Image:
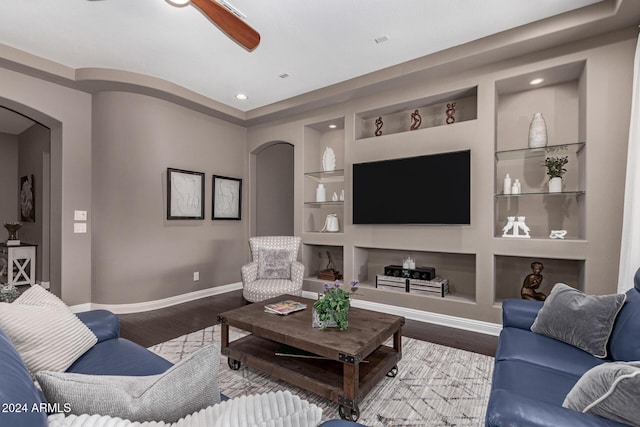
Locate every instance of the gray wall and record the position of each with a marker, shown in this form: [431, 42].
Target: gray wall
[33, 160]
[54, 105]
[8, 181]
[274, 190]
[137, 254]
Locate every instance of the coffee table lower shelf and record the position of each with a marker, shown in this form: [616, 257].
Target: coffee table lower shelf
[341, 382]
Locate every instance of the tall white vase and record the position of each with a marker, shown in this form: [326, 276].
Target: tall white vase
[537, 132]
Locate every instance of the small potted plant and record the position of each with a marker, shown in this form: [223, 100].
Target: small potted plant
[555, 170]
[332, 309]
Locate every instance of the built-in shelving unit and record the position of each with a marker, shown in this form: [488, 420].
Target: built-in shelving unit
[561, 101]
[318, 137]
[442, 109]
[492, 118]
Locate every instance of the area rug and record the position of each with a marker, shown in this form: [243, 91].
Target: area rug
[435, 385]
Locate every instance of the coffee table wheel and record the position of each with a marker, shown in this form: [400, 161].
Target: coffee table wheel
[393, 372]
[233, 364]
[349, 414]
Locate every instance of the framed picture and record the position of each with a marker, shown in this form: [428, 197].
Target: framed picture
[185, 194]
[227, 198]
[27, 199]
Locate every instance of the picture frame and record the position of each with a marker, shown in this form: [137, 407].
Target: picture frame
[27, 199]
[185, 194]
[227, 198]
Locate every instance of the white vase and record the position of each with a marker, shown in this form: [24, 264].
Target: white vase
[555, 185]
[537, 132]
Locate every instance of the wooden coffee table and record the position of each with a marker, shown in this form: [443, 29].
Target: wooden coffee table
[353, 362]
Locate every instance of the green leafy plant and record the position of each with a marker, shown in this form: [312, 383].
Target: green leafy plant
[334, 303]
[555, 166]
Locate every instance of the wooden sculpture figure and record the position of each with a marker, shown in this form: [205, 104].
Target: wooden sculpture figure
[532, 283]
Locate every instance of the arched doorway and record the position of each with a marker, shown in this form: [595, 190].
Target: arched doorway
[25, 147]
[273, 189]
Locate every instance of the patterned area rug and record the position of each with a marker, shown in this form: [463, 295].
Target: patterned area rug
[435, 385]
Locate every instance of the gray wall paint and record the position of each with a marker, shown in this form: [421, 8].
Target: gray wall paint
[138, 255]
[33, 152]
[8, 181]
[67, 113]
[274, 190]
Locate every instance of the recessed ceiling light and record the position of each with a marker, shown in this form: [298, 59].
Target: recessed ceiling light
[333, 126]
[178, 3]
[241, 96]
[536, 81]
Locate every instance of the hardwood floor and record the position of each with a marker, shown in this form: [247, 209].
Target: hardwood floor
[153, 327]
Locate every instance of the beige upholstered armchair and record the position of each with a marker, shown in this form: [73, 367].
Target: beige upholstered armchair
[274, 270]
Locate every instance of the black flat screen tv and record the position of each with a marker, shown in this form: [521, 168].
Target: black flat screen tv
[431, 189]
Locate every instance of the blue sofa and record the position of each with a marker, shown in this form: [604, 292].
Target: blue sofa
[23, 404]
[533, 373]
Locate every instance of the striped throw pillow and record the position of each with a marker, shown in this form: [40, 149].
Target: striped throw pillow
[44, 331]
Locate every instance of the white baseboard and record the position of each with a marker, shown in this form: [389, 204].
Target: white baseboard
[409, 313]
[425, 316]
[157, 304]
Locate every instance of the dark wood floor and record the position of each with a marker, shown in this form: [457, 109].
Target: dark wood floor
[153, 327]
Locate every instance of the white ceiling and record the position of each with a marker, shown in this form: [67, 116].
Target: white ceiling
[317, 42]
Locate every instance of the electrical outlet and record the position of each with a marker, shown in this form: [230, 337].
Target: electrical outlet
[79, 215]
[196, 276]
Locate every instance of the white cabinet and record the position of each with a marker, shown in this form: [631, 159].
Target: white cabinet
[18, 264]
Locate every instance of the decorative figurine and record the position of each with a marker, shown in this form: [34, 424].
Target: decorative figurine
[416, 118]
[557, 234]
[451, 110]
[516, 226]
[378, 131]
[532, 283]
[330, 273]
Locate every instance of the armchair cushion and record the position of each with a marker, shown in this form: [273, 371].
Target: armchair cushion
[610, 390]
[274, 263]
[584, 321]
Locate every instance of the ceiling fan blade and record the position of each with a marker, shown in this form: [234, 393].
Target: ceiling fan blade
[228, 22]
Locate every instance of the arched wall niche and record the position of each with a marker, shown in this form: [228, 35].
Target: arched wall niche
[272, 189]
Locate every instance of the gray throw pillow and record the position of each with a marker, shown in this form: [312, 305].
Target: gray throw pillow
[274, 264]
[187, 387]
[609, 390]
[584, 321]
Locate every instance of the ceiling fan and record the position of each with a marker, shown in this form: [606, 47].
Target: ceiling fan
[227, 18]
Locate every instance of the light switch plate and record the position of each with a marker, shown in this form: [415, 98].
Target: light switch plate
[79, 227]
[79, 215]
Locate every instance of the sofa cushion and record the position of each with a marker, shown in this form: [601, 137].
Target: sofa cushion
[17, 388]
[610, 390]
[627, 325]
[273, 409]
[274, 263]
[538, 383]
[509, 408]
[44, 331]
[119, 357]
[584, 321]
[525, 346]
[190, 385]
